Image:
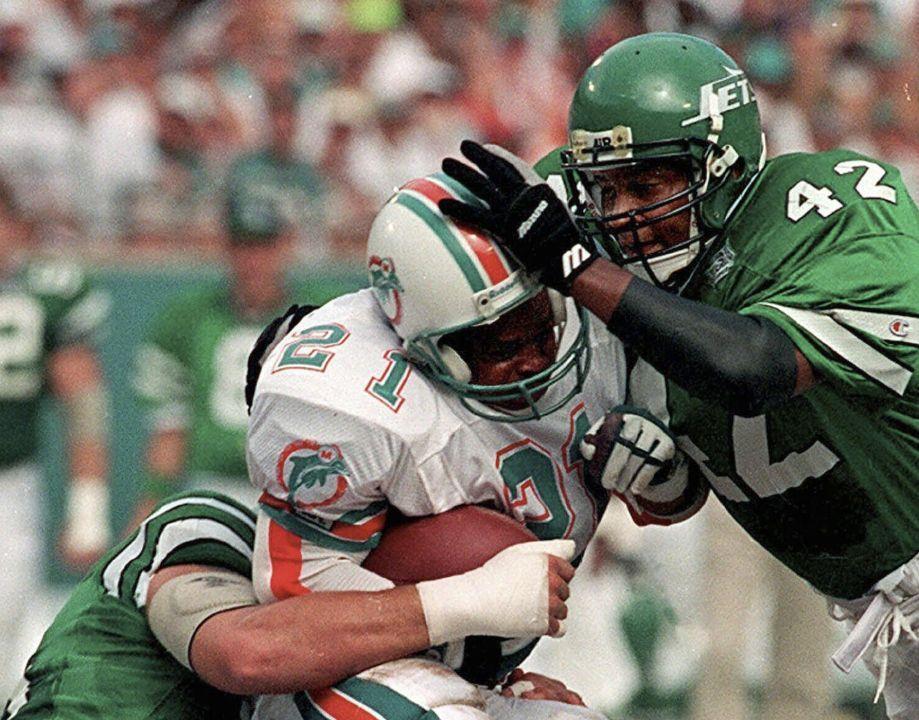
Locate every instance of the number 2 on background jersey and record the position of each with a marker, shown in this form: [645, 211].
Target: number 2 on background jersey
[21, 326]
[804, 197]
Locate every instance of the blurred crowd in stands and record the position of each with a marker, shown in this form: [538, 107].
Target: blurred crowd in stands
[124, 124]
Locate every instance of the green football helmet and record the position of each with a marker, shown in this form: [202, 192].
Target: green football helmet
[663, 97]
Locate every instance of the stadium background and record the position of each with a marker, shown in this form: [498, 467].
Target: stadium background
[123, 122]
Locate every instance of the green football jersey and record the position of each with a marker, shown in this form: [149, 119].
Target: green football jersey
[826, 246]
[43, 307]
[191, 373]
[99, 659]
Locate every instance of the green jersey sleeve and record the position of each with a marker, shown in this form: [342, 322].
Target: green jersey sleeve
[192, 528]
[162, 372]
[75, 311]
[828, 250]
[99, 658]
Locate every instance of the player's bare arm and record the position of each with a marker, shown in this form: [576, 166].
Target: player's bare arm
[75, 378]
[208, 619]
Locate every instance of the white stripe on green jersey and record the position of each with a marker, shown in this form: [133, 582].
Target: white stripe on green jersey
[168, 529]
[850, 347]
[99, 658]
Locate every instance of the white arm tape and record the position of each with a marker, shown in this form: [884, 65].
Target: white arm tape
[508, 596]
[182, 604]
[87, 522]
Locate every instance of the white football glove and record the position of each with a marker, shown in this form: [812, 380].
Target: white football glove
[641, 455]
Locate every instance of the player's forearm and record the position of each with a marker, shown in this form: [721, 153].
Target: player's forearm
[308, 642]
[742, 363]
[84, 402]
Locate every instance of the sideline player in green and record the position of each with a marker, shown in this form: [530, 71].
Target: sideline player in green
[166, 625]
[779, 301]
[49, 316]
[191, 369]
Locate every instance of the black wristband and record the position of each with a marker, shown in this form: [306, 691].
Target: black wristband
[743, 363]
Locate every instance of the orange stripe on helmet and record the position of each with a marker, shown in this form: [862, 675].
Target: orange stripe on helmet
[481, 246]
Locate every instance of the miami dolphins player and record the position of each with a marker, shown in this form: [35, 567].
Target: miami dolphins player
[190, 368]
[50, 315]
[454, 380]
[778, 299]
[166, 625]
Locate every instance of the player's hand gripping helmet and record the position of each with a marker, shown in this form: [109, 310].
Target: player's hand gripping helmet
[671, 98]
[433, 277]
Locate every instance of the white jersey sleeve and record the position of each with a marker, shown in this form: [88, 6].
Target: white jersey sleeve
[321, 470]
[331, 435]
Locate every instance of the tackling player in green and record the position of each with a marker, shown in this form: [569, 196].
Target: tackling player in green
[779, 301]
[166, 625]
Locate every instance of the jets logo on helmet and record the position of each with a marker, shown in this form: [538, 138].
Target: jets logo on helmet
[672, 101]
[313, 475]
[722, 95]
[386, 287]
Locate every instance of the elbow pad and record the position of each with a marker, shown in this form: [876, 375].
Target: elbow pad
[744, 364]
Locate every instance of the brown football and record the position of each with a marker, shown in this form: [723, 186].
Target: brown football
[436, 546]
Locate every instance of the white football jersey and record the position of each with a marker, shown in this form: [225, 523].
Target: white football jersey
[343, 428]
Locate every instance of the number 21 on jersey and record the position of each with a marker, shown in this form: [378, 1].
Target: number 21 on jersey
[309, 351]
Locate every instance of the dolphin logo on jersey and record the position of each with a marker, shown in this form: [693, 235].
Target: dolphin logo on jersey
[386, 287]
[313, 475]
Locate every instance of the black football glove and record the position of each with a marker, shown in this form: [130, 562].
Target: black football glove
[524, 215]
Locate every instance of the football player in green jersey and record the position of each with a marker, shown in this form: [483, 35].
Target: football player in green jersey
[166, 625]
[191, 369]
[49, 315]
[779, 301]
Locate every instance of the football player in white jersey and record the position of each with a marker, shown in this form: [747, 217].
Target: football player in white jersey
[454, 380]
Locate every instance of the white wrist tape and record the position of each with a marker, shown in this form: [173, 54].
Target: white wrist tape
[507, 597]
[87, 524]
[520, 687]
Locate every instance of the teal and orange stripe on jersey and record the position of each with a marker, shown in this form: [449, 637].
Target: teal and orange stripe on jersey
[354, 531]
[195, 527]
[356, 699]
[480, 262]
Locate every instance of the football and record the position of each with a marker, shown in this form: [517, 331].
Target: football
[603, 440]
[436, 546]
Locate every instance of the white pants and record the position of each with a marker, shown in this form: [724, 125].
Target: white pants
[412, 689]
[886, 623]
[27, 605]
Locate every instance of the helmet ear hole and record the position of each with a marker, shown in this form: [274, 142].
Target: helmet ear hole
[559, 307]
[454, 363]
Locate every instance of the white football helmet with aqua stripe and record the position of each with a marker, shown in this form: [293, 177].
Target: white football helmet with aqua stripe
[433, 277]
